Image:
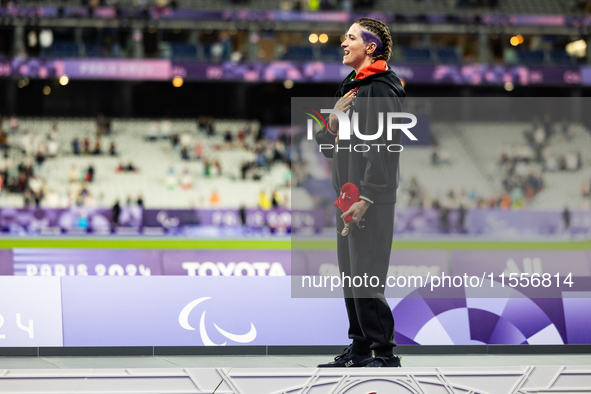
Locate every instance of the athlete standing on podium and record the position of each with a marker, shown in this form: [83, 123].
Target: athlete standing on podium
[366, 250]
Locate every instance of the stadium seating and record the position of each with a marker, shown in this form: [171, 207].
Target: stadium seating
[298, 53]
[469, 153]
[181, 51]
[561, 188]
[531, 58]
[460, 171]
[92, 50]
[561, 58]
[65, 49]
[448, 56]
[331, 54]
[153, 159]
[417, 55]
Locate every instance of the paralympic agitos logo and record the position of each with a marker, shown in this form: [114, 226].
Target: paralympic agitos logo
[346, 124]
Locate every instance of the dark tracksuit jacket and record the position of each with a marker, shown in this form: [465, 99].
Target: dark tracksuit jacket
[366, 250]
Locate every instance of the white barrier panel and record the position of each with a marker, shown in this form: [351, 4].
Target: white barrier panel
[30, 312]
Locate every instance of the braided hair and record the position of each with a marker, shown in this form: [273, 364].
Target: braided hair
[380, 30]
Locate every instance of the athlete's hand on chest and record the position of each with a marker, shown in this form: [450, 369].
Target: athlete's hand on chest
[343, 105]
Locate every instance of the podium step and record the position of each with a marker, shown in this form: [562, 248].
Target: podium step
[422, 374]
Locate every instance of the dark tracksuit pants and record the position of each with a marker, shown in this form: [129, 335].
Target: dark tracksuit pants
[367, 251]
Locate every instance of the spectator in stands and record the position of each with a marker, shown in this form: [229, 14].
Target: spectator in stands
[207, 168]
[202, 123]
[199, 150]
[287, 175]
[261, 161]
[443, 215]
[276, 199]
[434, 156]
[534, 182]
[116, 212]
[22, 182]
[97, 148]
[241, 137]
[517, 196]
[185, 153]
[566, 218]
[228, 139]
[101, 125]
[36, 188]
[165, 128]
[586, 189]
[529, 193]
[221, 49]
[171, 180]
[572, 161]
[28, 168]
[210, 128]
[462, 219]
[73, 174]
[86, 146]
[242, 215]
[244, 169]
[131, 168]
[4, 143]
[186, 180]
[27, 198]
[414, 190]
[51, 199]
[89, 177]
[214, 198]
[126, 168]
[153, 133]
[52, 148]
[13, 125]
[3, 178]
[264, 200]
[174, 141]
[76, 146]
[185, 144]
[503, 155]
[40, 155]
[217, 165]
[108, 126]
[74, 192]
[278, 151]
[53, 132]
[81, 199]
[505, 202]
